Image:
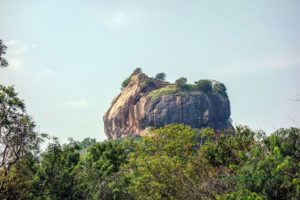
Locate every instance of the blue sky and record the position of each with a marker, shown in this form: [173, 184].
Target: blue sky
[68, 58]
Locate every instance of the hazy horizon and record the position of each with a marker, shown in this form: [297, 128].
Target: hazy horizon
[68, 59]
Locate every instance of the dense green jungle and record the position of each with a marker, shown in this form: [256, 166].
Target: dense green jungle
[172, 162]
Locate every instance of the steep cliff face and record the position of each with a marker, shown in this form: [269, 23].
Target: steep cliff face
[146, 103]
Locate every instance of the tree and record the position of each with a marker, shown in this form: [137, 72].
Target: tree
[160, 76]
[103, 177]
[18, 135]
[273, 169]
[204, 85]
[19, 141]
[158, 161]
[87, 142]
[3, 62]
[56, 174]
[181, 82]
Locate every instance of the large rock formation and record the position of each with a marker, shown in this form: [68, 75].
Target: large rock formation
[146, 103]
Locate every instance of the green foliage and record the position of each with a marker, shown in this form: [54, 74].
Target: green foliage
[175, 140]
[106, 156]
[3, 62]
[272, 167]
[220, 88]
[102, 176]
[233, 166]
[181, 86]
[136, 71]
[87, 142]
[204, 85]
[181, 82]
[55, 178]
[242, 194]
[160, 76]
[18, 182]
[173, 162]
[171, 89]
[148, 82]
[127, 80]
[157, 161]
[19, 143]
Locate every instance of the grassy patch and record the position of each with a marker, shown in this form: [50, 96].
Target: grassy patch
[170, 89]
[216, 88]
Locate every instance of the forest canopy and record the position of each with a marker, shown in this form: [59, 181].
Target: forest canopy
[173, 162]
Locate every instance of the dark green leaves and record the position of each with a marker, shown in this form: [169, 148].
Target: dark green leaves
[3, 62]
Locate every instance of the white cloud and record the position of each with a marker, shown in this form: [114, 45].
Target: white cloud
[12, 43]
[34, 46]
[16, 64]
[15, 53]
[277, 63]
[18, 47]
[120, 19]
[77, 104]
[49, 72]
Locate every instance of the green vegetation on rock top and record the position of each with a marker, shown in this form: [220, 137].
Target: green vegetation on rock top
[170, 89]
[180, 85]
[206, 86]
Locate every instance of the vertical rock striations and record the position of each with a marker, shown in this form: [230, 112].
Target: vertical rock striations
[146, 103]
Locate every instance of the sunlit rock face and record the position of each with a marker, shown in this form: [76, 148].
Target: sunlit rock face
[149, 103]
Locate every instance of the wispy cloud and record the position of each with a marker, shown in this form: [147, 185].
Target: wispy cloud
[120, 18]
[253, 66]
[16, 64]
[15, 53]
[77, 104]
[45, 73]
[49, 72]
[18, 47]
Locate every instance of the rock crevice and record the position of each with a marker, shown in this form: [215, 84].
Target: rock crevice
[136, 109]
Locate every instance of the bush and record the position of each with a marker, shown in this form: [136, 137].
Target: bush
[160, 76]
[204, 85]
[127, 80]
[220, 89]
[148, 83]
[181, 82]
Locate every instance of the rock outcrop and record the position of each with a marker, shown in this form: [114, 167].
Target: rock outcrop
[146, 103]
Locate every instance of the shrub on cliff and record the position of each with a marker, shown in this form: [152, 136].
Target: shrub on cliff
[204, 85]
[160, 76]
[127, 80]
[181, 83]
[220, 88]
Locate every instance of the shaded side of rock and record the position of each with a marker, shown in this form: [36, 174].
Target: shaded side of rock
[149, 103]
